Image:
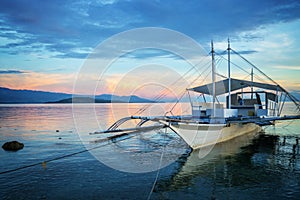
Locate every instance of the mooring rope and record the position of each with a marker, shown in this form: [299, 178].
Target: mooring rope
[159, 167]
[43, 163]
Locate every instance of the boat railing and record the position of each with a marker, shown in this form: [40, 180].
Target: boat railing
[272, 108]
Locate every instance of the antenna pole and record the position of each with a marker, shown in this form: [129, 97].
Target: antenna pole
[229, 77]
[213, 78]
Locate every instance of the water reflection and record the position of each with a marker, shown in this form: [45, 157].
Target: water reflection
[143, 152]
[251, 162]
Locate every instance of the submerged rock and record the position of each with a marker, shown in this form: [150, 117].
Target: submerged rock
[12, 146]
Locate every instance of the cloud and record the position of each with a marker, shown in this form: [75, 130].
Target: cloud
[147, 81]
[288, 67]
[149, 53]
[38, 81]
[62, 26]
[245, 52]
[12, 71]
[57, 30]
[72, 55]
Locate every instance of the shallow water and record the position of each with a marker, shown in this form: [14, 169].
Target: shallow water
[255, 166]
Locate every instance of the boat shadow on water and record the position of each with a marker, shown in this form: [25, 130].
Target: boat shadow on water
[247, 161]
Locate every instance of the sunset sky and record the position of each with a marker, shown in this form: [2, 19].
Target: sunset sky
[44, 44]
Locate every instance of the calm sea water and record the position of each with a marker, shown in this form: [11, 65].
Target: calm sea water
[255, 166]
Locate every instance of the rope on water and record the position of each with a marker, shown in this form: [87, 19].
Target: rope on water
[43, 163]
[159, 167]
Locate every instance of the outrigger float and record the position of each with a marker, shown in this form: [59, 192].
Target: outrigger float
[246, 110]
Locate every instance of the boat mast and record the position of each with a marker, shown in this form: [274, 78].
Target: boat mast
[213, 78]
[229, 78]
[252, 83]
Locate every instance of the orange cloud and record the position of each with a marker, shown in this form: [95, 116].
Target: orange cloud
[38, 81]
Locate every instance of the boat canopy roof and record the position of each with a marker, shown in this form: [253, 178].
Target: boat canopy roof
[236, 84]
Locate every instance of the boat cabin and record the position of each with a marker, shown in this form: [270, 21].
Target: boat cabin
[243, 103]
[253, 103]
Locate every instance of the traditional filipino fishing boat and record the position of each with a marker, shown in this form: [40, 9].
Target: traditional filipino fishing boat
[249, 105]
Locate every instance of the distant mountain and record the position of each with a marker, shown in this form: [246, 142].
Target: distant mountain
[129, 99]
[106, 98]
[296, 94]
[81, 100]
[31, 96]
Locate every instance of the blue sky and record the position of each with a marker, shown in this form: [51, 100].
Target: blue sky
[43, 44]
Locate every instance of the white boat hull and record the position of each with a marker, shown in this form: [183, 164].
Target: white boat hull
[201, 135]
